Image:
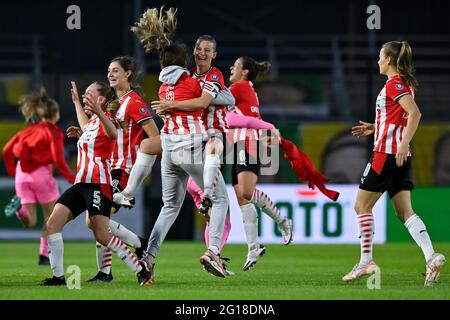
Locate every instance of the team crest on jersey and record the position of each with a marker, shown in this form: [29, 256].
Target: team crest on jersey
[215, 77]
[143, 110]
[399, 86]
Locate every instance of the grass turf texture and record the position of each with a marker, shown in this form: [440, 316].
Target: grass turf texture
[284, 273]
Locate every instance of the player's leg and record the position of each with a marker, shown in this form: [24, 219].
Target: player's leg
[434, 261]
[211, 171]
[142, 167]
[47, 209]
[61, 214]
[365, 201]
[174, 180]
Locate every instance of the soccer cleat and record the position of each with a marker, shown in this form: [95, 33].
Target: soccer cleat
[286, 230]
[205, 206]
[228, 273]
[54, 281]
[120, 199]
[146, 276]
[434, 266]
[360, 270]
[12, 207]
[101, 277]
[212, 264]
[43, 260]
[253, 256]
[140, 251]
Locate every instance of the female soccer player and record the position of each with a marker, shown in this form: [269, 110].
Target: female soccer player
[182, 137]
[133, 156]
[92, 190]
[246, 167]
[36, 147]
[396, 121]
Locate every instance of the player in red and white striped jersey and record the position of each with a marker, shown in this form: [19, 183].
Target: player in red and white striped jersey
[214, 116]
[397, 118]
[182, 147]
[92, 188]
[133, 156]
[246, 167]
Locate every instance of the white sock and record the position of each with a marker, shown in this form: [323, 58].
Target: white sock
[419, 233]
[104, 258]
[56, 253]
[141, 168]
[250, 218]
[127, 236]
[124, 254]
[366, 229]
[210, 170]
[214, 249]
[262, 201]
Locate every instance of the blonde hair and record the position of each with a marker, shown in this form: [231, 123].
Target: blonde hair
[401, 54]
[156, 28]
[37, 106]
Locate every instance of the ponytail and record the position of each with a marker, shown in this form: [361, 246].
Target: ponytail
[254, 68]
[401, 53]
[36, 106]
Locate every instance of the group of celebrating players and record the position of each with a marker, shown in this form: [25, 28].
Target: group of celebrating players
[203, 121]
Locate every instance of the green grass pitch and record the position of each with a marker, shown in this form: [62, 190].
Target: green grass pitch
[284, 273]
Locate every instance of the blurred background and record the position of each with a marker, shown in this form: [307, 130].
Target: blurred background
[324, 78]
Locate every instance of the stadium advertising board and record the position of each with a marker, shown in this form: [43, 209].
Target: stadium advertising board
[316, 219]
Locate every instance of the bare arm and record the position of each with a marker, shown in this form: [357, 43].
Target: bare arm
[150, 128]
[82, 117]
[199, 103]
[409, 105]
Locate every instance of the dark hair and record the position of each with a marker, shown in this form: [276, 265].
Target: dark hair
[254, 68]
[206, 37]
[36, 106]
[129, 64]
[401, 54]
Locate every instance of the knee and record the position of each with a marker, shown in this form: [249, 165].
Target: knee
[361, 207]
[102, 236]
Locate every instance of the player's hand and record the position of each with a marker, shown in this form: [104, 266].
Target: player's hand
[161, 106]
[91, 104]
[74, 93]
[363, 129]
[402, 154]
[74, 132]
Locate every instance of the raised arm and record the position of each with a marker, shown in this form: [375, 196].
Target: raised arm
[82, 117]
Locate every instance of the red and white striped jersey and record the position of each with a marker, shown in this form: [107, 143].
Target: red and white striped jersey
[132, 112]
[182, 122]
[212, 82]
[247, 104]
[94, 153]
[391, 119]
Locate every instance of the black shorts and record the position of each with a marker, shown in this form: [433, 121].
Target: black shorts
[243, 161]
[382, 174]
[95, 198]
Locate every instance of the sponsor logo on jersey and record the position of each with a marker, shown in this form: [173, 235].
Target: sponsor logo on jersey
[399, 86]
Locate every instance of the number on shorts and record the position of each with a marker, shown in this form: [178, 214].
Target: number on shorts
[97, 198]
